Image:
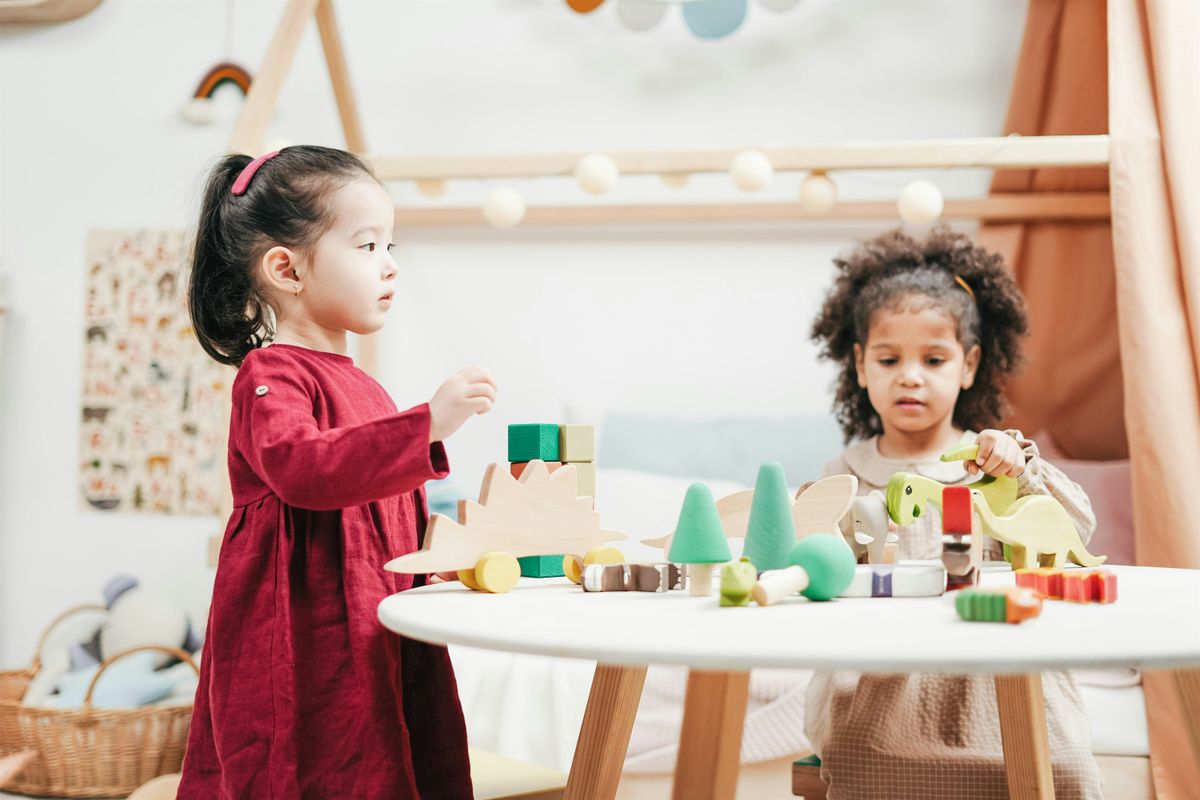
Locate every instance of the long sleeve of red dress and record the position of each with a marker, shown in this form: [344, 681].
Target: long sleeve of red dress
[303, 694]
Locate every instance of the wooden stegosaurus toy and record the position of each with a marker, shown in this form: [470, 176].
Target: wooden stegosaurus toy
[538, 515]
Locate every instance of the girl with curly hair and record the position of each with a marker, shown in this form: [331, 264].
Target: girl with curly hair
[926, 332]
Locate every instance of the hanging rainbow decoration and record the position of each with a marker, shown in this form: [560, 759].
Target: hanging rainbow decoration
[200, 108]
[707, 19]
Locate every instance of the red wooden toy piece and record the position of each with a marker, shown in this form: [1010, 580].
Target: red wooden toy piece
[1078, 586]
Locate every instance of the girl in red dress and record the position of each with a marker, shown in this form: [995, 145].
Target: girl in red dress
[303, 694]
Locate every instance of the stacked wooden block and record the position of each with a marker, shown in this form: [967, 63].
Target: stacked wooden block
[556, 445]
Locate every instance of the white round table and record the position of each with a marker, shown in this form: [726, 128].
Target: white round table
[1155, 623]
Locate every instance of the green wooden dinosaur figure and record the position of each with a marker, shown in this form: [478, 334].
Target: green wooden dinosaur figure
[1036, 527]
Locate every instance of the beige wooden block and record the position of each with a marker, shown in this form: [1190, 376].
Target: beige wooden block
[576, 443]
[585, 477]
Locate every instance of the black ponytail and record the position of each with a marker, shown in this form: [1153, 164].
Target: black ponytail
[285, 204]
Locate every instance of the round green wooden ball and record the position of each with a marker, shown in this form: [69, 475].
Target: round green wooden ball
[828, 562]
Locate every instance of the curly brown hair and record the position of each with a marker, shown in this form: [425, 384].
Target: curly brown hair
[894, 271]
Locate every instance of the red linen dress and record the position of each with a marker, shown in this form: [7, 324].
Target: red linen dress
[303, 693]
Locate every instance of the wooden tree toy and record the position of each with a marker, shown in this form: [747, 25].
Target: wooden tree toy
[536, 516]
[699, 539]
[818, 508]
[770, 531]
[775, 585]
[828, 562]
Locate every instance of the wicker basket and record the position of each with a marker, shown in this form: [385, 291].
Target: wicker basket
[88, 752]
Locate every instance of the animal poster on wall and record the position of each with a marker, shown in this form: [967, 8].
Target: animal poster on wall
[151, 436]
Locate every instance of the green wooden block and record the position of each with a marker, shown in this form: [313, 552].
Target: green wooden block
[807, 761]
[977, 606]
[530, 442]
[541, 566]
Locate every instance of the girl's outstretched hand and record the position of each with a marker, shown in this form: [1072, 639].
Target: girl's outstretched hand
[999, 454]
[464, 395]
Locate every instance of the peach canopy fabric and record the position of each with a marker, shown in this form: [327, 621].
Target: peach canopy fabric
[1103, 389]
[1154, 123]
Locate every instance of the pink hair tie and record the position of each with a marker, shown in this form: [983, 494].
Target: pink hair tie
[243, 180]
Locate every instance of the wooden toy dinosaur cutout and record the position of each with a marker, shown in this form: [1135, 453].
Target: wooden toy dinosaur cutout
[1036, 527]
[818, 508]
[538, 515]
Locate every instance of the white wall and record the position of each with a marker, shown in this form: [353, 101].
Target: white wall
[694, 320]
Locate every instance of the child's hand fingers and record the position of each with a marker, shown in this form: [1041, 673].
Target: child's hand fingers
[487, 390]
[480, 405]
[476, 375]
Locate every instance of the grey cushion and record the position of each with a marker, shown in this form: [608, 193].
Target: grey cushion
[729, 448]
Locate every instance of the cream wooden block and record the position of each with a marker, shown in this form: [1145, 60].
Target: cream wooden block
[585, 478]
[576, 443]
[539, 515]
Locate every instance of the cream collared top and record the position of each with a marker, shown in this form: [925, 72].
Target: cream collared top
[922, 539]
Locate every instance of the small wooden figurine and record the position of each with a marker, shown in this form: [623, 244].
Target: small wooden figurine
[737, 581]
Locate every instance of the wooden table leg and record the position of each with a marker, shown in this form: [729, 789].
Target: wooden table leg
[1023, 732]
[604, 735]
[710, 743]
[1187, 683]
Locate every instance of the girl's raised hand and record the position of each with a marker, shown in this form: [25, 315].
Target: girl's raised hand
[999, 454]
[464, 395]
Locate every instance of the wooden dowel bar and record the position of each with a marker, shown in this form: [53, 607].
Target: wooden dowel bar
[1083, 206]
[997, 152]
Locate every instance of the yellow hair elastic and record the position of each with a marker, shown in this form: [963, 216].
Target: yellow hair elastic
[966, 288]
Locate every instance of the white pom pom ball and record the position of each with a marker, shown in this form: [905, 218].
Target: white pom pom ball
[504, 208]
[597, 173]
[751, 170]
[920, 203]
[818, 194]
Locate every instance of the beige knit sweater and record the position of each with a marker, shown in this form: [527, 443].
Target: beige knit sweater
[927, 736]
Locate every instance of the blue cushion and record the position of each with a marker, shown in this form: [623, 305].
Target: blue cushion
[727, 448]
[127, 683]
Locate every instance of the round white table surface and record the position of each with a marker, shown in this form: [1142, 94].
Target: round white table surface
[1155, 622]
